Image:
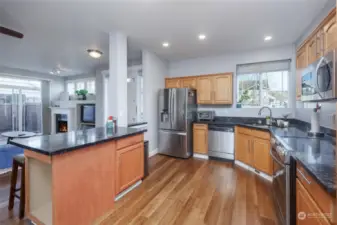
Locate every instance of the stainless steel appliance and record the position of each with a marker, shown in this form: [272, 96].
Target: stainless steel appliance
[283, 182]
[205, 115]
[221, 141]
[177, 112]
[319, 79]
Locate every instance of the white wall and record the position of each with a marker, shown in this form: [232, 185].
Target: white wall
[154, 72]
[304, 110]
[228, 63]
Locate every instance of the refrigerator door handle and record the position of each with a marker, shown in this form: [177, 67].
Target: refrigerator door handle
[173, 132]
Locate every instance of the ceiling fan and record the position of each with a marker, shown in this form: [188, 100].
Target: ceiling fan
[10, 32]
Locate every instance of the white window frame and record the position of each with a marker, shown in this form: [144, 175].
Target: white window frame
[85, 80]
[260, 97]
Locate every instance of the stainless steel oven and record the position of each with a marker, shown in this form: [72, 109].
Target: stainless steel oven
[319, 79]
[283, 183]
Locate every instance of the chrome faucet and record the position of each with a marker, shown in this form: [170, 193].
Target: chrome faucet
[270, 115]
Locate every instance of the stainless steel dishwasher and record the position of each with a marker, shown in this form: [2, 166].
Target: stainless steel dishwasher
[221, 141]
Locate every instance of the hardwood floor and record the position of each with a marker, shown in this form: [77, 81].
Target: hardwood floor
[189, 191]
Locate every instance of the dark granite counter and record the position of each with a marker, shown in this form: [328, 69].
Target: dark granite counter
[65, 142]
[316, 155]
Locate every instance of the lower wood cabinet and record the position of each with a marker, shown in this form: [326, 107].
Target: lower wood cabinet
[261, 157]
[308, 212]
[252, 148]
[200, 138]
[129, 166]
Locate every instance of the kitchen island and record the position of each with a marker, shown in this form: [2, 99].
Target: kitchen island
[73, 178]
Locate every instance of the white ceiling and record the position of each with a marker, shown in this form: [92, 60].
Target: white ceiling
[58, 33]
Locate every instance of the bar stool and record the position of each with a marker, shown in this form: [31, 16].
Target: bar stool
[18, 161]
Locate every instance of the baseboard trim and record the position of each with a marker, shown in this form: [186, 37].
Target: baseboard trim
[261, 174]
[200, 156]
[153, 152]
[121, 195]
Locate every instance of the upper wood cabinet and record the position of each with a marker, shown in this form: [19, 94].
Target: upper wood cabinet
[200, 138]
[214, 89]
[223, 89]
[301, 63]
[172, 83]
[190, 82]
[329, 34]
[312, 49]
[306, 205]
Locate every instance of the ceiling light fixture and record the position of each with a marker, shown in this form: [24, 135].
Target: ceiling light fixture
[202, 36]
[51, 72]
[166, 44]
[95, 53]
[268, 38]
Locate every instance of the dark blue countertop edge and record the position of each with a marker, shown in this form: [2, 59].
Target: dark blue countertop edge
[136, 124]
[77, 147]
[331, 191]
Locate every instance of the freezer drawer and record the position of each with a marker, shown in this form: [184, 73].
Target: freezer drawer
[174, 144]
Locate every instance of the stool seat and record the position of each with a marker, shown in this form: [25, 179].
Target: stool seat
[20, 158]
[18, 161]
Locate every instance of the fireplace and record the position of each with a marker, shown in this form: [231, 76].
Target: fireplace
[61, 123]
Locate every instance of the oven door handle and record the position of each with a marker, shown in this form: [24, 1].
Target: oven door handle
[278, 161]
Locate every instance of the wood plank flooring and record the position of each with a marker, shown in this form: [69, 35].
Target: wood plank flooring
[192, 192]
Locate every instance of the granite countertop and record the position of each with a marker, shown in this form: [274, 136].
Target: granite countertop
[65, 142]
[316, 155]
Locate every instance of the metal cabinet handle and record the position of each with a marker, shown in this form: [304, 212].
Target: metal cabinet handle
[304, 177]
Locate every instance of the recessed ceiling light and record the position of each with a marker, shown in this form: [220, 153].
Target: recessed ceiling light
[268, 38]
[202, 36]
[166, 44]
[58, 71]
[51, 72]
[95, 53]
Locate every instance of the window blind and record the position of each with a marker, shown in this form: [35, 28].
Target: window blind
[271, 66]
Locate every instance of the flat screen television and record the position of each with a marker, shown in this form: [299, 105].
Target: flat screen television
[88, 113]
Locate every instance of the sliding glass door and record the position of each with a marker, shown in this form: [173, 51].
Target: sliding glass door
[20, 105]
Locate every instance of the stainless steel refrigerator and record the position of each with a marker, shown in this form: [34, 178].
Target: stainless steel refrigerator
[177, 111]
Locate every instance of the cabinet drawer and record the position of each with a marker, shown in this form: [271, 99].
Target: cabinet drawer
[243, 130]
[124, 142]
[321, 197]
[200, 126]
[260, 134]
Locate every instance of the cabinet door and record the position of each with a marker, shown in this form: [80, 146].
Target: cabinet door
[330, 35]
[172, 83]
[242, 148]
[129, 166]
[301, 63]
[307, 210]
[204, 90]
[261, 157]
[200, 138]
[312, 49]
[222, 89]
[189, 83]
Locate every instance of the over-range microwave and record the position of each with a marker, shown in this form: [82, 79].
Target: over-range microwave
[319, 79]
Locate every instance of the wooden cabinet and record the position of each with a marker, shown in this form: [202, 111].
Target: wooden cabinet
[308, 212]
[242, 148]
[223, 89]
[252, 148]
[189, 82]
[215, 89]
[129, 166]
[261, 158]
[301, 63]
[329, 34]
[200, 138]
[204, 90]
[172, 83]
[312, 49]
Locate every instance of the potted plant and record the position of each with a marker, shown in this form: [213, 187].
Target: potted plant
[82, 94]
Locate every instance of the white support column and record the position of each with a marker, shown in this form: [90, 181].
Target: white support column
[117, 82]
